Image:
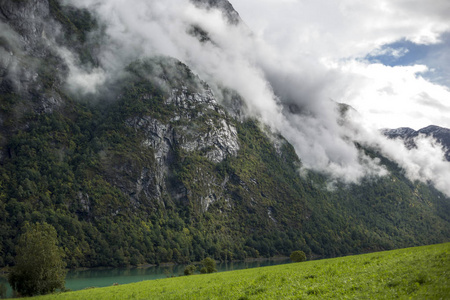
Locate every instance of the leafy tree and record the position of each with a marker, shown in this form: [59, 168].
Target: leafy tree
[2, 291]
[209, 265]
[189, 270]
[39, 265]
[298, 256]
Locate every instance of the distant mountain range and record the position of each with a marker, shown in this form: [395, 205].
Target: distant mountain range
[442, 136]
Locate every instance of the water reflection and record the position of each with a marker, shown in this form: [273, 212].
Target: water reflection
[81, 279]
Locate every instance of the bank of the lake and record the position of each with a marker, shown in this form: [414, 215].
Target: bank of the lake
[413, 273]
[104, 277]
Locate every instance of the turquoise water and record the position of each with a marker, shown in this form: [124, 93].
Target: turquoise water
[81, 279]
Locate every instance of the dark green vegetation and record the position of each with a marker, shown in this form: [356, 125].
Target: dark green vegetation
[190, 270]
[415, 273]
[209, 266]
[91, 167]
[64, 168]
[39, 268]
[3, 290]
[298, 256]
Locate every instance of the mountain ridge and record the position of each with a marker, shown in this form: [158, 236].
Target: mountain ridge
[155, 170]
[440, 134]
[223, 5]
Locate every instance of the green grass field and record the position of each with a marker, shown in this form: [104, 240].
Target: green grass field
[413, 273]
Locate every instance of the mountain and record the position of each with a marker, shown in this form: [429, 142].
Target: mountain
[152, 168]
[224, 6]
[440, 134]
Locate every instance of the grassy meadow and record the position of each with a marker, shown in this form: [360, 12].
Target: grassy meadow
[413, 273]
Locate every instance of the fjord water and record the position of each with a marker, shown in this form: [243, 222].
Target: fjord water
[81, 279]
[77, 280]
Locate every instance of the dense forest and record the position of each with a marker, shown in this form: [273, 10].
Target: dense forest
[141, 174]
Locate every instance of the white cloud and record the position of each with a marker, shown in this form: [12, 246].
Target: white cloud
[425, 163]
[327, 37]
[346, 28]
[289, 71]
[391, 97]
[396, 53]
[79, 80]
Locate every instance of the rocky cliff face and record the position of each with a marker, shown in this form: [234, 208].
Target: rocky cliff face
[29, 19]
[198, 123]
[26, 49]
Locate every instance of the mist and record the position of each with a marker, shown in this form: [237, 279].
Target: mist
[291, 94]
[11, 50]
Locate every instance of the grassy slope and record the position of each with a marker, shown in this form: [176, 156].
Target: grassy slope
[413, 273]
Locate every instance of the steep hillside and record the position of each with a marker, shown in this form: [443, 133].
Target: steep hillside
[153, 169]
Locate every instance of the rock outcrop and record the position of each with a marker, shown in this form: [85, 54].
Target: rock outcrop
[197, 124]
[27, 47]
[229, 12]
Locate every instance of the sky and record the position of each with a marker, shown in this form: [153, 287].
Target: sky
[292, 62]
[395, 54]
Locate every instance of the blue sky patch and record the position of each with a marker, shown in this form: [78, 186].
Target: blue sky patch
[405, 53]
[401, 53]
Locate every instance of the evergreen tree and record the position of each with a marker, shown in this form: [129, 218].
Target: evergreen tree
[39, 265]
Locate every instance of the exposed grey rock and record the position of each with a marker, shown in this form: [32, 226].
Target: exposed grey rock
[31, 19]
[160, 138]
[227, 9]
[84, 201]
[214, 134]
[219, 135]
[50, 102]
[27, 31]
[401, 132]
[270, 215]
[199, 124]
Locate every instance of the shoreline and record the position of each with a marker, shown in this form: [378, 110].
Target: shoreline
[172, 264]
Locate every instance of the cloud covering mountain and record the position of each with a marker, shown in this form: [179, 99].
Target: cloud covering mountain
[346, 36]
[290, 79]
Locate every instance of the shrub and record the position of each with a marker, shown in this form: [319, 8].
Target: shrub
[189, 270]
[209, 265]
[298, 256]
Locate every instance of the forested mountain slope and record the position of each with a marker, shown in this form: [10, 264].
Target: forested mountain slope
[153, 169]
